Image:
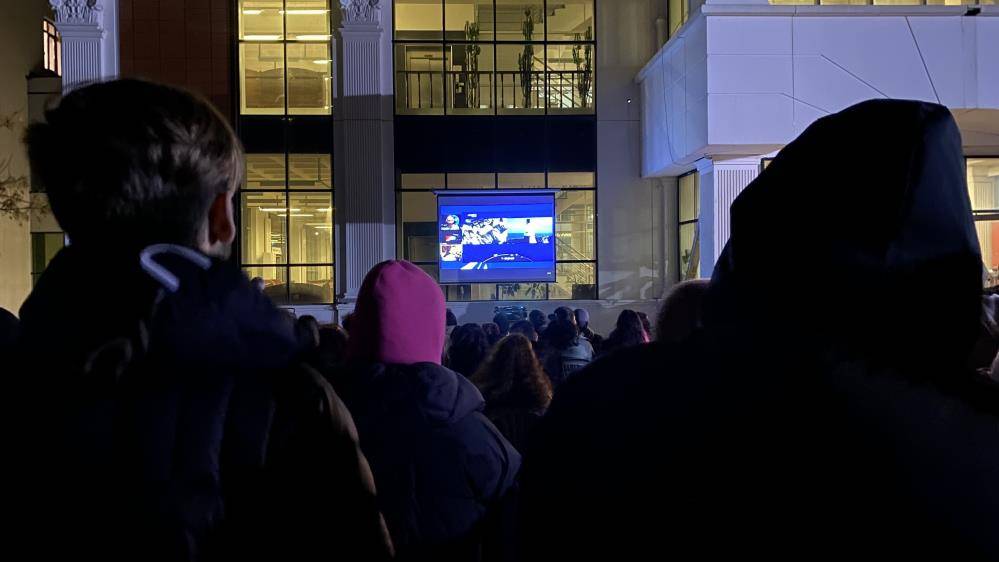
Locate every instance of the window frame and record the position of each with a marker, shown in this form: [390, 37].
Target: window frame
[544, 43]
[681, 223]
[283, 41]
[51, 41]
[982, 215]
[288, 264]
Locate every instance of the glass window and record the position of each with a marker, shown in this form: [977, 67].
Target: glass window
[690, 260]
[689, 188]
[421, 181]
[522, 291]
[520, 78]
[677, 14]
[522, 181]
[481, 57]
[470, 78]
[420, 20]
[419, 80]
[570, 20]
[311, 284]
[309, 78]
[576, 281]
[51, 47]
[988, 238]
[417, 235]
[265, 171]
[261, 20]
[264, 216]
[471, 19]
[471, 181]
[285, 62]
[575, 230]
[291, 225]
[310, 228]
[307, 20]
[261, 73]
[570, 74]
[571, 180]
[983, 189]
[275, 281]
[983, 183]
[689, 210]
[309, 171]
[520, 20]
[472, 292]
[44, 247]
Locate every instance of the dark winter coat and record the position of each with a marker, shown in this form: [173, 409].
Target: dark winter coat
[828, 418]
[160, 415]
[441, 467]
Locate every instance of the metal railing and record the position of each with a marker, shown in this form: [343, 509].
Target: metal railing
[419, 90]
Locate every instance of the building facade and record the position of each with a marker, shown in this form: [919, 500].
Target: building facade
[353, 113]
[646, 117]
[739, 79]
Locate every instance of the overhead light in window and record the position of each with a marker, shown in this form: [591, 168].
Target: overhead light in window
[312, 37]
[261, 37]
[277, 210]
[304, 12]
[322, 61]
[252, 12]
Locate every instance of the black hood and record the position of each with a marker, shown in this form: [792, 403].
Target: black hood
[858, 236]
[88, 297]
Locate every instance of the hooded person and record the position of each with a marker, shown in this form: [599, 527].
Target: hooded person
[583, 321]
[440, 466]
[788, 433]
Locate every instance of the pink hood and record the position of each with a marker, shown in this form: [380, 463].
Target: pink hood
[399, 317]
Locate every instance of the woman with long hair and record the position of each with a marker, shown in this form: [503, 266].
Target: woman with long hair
[515, 387]
[628, 332]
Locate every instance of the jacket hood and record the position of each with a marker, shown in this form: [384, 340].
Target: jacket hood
[443, 396]
[859, 235]
[399, 317]
[209, 316]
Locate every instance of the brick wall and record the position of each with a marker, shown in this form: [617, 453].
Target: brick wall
[181, 42]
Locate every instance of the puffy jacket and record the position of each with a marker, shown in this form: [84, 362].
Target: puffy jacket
[161, 416]
[443, 471]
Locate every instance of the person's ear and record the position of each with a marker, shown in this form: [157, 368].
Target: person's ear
[221, 224]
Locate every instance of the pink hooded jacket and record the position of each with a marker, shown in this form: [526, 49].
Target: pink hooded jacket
[399, 317]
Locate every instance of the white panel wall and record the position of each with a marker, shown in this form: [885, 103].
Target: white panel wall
[676, 118]
[746, 78]
[629, 221]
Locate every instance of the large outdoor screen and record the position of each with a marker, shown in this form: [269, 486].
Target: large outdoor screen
[496, 238]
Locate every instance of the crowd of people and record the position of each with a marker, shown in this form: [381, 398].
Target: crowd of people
[167, 410]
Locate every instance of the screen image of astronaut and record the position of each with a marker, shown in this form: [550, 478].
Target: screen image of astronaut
[496, 238]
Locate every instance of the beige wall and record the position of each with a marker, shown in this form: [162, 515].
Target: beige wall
[21, 45]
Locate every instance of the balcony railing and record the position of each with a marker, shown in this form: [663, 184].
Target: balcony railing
[424, 91]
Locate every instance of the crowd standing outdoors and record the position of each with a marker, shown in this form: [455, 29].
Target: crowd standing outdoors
[195, 420]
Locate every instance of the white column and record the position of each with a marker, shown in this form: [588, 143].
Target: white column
[89, 30]
[706, 219]
[365, 196]
[721, 182]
